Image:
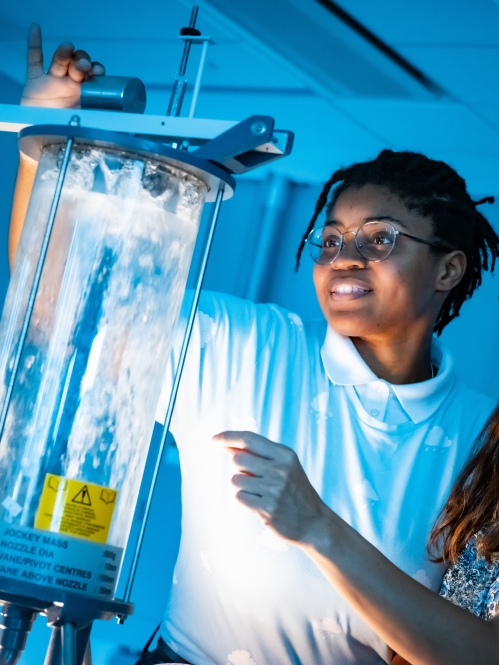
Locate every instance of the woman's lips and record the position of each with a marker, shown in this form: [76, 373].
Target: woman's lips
[343, 292]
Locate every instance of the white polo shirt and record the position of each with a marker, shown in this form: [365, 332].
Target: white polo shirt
[382, 456]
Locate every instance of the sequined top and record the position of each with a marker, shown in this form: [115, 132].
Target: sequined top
[472, 583]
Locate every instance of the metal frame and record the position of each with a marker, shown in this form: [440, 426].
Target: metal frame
[13, 118]
[76, 612]
[223, 148]
[70, 614]
[32, 139]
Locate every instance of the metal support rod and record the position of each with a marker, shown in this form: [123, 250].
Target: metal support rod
[180, 83]
[75, 120]
[174, 391]
[68, 644]
[199, 76]
[187, 45]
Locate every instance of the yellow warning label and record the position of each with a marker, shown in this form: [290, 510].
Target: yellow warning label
[75, 507]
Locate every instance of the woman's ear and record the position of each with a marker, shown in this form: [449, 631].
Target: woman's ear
[450, 271]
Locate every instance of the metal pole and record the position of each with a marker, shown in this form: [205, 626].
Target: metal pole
[75, 121]
[187, 46]
[180, 83]
[197, 85]
[68, 644]
[173, 394]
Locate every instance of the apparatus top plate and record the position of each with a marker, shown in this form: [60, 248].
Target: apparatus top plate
[33, 139]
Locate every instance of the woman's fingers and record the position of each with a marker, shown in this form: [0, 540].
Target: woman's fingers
[253, 443]
[98, 69]
[249, 463]
[272, 482]
[249, 484]
[60, 60]
[68, 62]
[80, 66]
[35, 55]
[251, 501]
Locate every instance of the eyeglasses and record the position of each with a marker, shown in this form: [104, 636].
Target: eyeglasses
[374, 241]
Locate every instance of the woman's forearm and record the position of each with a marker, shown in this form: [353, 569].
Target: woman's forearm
[422, 627]
[24, 184]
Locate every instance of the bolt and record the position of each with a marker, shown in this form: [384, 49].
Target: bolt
[258, 128]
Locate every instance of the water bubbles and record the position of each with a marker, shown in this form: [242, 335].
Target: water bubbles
[107, 305]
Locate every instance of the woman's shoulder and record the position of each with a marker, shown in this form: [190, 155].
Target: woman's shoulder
[473, 583]
[243, 317]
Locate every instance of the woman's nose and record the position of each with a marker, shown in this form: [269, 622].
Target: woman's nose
[349, 256]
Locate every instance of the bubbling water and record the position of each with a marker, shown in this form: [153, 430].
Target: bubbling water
[102, 328]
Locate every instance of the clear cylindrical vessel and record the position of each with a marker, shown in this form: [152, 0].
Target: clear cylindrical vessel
[82, 410]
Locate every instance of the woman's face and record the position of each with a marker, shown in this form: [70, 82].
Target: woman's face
[386, 296]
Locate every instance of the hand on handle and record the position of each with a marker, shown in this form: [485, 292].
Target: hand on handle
[60, 85]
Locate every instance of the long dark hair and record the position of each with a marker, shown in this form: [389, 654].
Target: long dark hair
[434, 190]
[473, 503]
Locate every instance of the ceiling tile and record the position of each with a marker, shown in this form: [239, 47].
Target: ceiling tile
[488, 111]
[469, 73]
[458, 22]
[427, 127]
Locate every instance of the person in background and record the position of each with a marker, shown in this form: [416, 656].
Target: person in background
[365, 405]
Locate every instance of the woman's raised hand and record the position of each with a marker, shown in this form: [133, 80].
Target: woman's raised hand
[272, 483]
[60, 85]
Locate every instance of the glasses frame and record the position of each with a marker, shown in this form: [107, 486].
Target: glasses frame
[440, 248]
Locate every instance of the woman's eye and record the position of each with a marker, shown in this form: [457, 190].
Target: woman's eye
[331, 242]
[380, 240]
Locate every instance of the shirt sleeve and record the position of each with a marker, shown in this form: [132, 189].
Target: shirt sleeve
[227, 337]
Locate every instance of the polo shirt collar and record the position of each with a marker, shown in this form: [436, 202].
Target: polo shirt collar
[345, 367]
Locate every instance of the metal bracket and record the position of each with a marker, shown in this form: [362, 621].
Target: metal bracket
[251, 143]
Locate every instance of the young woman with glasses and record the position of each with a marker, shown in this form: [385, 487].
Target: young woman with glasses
[373, 424]
[420, 626]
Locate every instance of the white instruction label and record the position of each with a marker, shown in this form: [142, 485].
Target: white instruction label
[59, 561]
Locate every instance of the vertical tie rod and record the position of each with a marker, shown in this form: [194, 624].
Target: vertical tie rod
[75, 121]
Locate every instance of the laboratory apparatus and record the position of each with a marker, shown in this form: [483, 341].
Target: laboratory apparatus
[86, 336]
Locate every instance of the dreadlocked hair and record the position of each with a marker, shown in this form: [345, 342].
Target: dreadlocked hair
[435, 190]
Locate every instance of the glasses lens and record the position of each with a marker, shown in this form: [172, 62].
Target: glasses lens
[324, 244]
[375, 240]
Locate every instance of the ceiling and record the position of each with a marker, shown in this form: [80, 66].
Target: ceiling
[296, 60]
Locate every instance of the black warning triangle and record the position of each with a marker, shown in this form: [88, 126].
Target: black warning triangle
[83, 496]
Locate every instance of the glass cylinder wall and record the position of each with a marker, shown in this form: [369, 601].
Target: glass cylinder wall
[90, 375]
